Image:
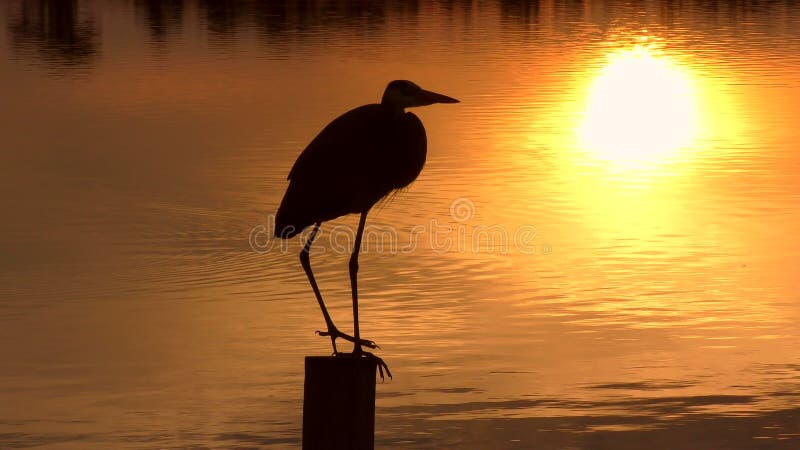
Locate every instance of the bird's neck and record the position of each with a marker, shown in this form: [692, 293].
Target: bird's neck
[395, 109]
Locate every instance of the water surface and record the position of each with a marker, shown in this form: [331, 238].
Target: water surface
[599, 253]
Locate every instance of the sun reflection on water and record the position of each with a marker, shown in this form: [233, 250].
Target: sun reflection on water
[641, 108]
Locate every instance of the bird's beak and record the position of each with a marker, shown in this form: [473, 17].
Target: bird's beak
[428, 98]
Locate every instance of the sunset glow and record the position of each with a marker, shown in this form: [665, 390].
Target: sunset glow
[641, 107]
[425, 225]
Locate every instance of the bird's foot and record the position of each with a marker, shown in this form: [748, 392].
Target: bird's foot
[380, 363]
[359, 353]
[334, 333]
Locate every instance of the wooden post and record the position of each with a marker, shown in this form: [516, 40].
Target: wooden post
[339, 403]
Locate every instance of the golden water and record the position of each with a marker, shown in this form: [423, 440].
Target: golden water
[599, 253]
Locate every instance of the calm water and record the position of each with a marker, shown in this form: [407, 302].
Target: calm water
[600, 253]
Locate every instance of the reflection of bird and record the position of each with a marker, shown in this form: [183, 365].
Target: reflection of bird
[356, 160]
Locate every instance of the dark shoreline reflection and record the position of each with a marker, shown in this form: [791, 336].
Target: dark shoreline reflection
[526, 11]
[62, 33]
[163, 17]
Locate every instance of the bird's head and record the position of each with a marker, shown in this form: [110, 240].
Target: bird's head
[400, 94]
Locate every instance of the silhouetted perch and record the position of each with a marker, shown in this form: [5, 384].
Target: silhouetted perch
[339, 403]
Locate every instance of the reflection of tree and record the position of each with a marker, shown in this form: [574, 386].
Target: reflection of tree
[523, 11]
[162, 16]
[276, 17]
[223, 17]
[272, 18]
[54, 29]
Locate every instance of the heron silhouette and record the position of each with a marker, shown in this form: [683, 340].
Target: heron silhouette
[355, 161]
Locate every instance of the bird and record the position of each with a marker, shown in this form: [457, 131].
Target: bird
[356, 160]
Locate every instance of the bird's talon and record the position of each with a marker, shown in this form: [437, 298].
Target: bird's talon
[380, 363]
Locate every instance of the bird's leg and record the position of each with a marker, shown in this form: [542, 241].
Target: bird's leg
[305, 261]
[354, 279]
[332, 332]
[357, 350]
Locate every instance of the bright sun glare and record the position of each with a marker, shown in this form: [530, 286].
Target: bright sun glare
[640, 108]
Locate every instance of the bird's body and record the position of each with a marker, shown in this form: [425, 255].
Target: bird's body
[356, 160]
[359, 158]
